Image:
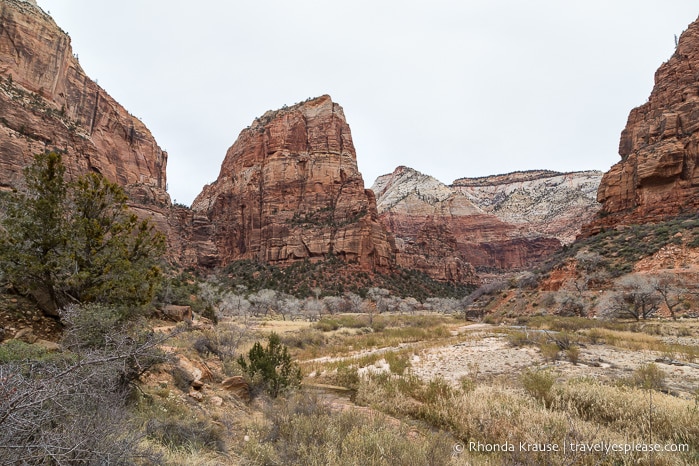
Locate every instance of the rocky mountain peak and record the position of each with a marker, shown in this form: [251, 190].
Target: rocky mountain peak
[393, 188]
[289, 189]
[497, 223]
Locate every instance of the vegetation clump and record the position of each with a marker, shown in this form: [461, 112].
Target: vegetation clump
[271, 367]
[66, 243]
[84, 258]
[334, 277]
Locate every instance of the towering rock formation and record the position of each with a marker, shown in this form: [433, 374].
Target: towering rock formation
[497, 223]
[47, 102]
[289, 189]
[658, 175]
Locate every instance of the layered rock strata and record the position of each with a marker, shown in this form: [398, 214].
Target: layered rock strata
[540, 202]
[497, 223]
[289, 189]
[47, 102]
[658, 175]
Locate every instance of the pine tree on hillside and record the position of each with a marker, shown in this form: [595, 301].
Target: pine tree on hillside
[65, 243]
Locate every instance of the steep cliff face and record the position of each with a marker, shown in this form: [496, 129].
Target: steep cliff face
[502, 222]
[289, 189]
[47, 102]
[658, 175]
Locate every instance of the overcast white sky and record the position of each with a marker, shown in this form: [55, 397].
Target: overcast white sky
[451, 88]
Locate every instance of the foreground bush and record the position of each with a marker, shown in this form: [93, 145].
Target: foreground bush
[77, 242]
[271, 366]
[72, 407]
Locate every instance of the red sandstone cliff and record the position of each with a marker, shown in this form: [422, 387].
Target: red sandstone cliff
[658, 175]
[48, 102]
[289, 189]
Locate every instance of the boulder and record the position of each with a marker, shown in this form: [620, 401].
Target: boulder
[237, 386]
[177, 313]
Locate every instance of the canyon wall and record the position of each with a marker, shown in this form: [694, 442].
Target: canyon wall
[498, 223]
[540, 203]
[47, 102]
[658, 175]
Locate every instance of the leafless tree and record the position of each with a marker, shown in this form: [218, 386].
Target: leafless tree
[313, 308]
[291, 306]
[287, 305]
[408, 305]
[671, 288]
[209, 293]
[234, 304]
[264, 301]
[571, 305]
[71, 409]
[391, 303]
[335, 304]
[355, 302]
[634, 296]
[379, 296]
[369, 307]
[445, 305]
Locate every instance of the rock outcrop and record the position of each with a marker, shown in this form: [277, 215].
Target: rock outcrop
[47, 102]
[658, 175]
[289, 189]
[497, 223]
[419, 211]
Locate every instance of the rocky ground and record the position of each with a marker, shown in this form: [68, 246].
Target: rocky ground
[17, 315]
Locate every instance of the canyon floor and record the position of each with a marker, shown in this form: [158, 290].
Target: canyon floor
[486, 353]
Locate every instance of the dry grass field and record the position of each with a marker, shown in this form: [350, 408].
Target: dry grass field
[432, 389]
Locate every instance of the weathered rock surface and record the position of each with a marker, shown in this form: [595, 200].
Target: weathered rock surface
[541, 202]
[48, 102]
[502, 222]
[177, 313]
[419, 211]
[191, 238]
[237, 386]
[289, 189]
[658, 175]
